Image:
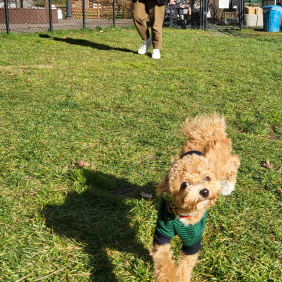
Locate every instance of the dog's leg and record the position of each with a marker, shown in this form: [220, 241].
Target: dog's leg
[235, 163]
[163, 264]
[228, 185]
[185, 267]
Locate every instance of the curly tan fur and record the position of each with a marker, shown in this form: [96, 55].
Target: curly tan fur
[207, 135]
[215, 171]
[165, 269]
[185, 267]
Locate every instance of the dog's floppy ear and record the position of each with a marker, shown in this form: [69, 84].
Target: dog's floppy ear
[163, 186]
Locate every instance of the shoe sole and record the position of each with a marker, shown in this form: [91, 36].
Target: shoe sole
[141, 53]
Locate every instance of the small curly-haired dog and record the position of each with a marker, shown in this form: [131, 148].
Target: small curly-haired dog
[204, 170]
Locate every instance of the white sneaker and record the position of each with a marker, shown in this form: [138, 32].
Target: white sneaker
[156, 54]
[145, 46]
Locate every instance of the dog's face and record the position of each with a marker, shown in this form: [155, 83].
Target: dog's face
[192, 184]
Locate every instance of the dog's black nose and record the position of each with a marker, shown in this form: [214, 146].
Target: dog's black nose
[204, 192]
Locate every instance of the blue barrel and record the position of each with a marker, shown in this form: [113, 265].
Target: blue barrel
[271, 18]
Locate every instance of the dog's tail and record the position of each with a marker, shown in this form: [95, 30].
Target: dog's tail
[203, 131]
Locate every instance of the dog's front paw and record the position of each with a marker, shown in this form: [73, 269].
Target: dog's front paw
[227, 187]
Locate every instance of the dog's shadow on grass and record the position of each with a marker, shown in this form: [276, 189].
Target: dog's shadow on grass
[86, 43]
[98, 218]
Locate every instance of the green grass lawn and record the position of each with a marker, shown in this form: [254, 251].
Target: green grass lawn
[87, 124]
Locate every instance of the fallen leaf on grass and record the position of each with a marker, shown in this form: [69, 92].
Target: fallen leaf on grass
[146, 196]
[268, 164]
[29, 80]
[81, 163]
[10, 74]
[251, 258]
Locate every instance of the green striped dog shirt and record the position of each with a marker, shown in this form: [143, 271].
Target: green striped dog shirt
[168, 226]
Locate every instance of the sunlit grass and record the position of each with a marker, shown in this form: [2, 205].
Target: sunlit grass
[88, 95]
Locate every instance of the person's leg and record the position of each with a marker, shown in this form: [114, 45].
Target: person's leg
[156, 13]
[140, 16]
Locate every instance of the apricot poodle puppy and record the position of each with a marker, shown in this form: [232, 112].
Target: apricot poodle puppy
[204, 170]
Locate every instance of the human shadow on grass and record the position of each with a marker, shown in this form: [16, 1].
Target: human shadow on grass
[87, 43]
[98, 218]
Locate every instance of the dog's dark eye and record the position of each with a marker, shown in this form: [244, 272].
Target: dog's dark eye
[184, 185]
[207, 178]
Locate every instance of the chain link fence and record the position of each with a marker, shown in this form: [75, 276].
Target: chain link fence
[253, 13]
[43, 15]
[32, 15]
[238, 13]
[227, 16]
[183, 14]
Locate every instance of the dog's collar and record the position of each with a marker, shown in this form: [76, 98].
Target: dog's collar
[180, 215]
[193, 152]
[171, 207]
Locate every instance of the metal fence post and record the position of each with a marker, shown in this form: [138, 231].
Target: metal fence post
[241, 14]
[50, 17]
[114, 13]
[83, 13]
[69, 11]
[170, 16]
[202, 14]
[7, 17]
[205, 12]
